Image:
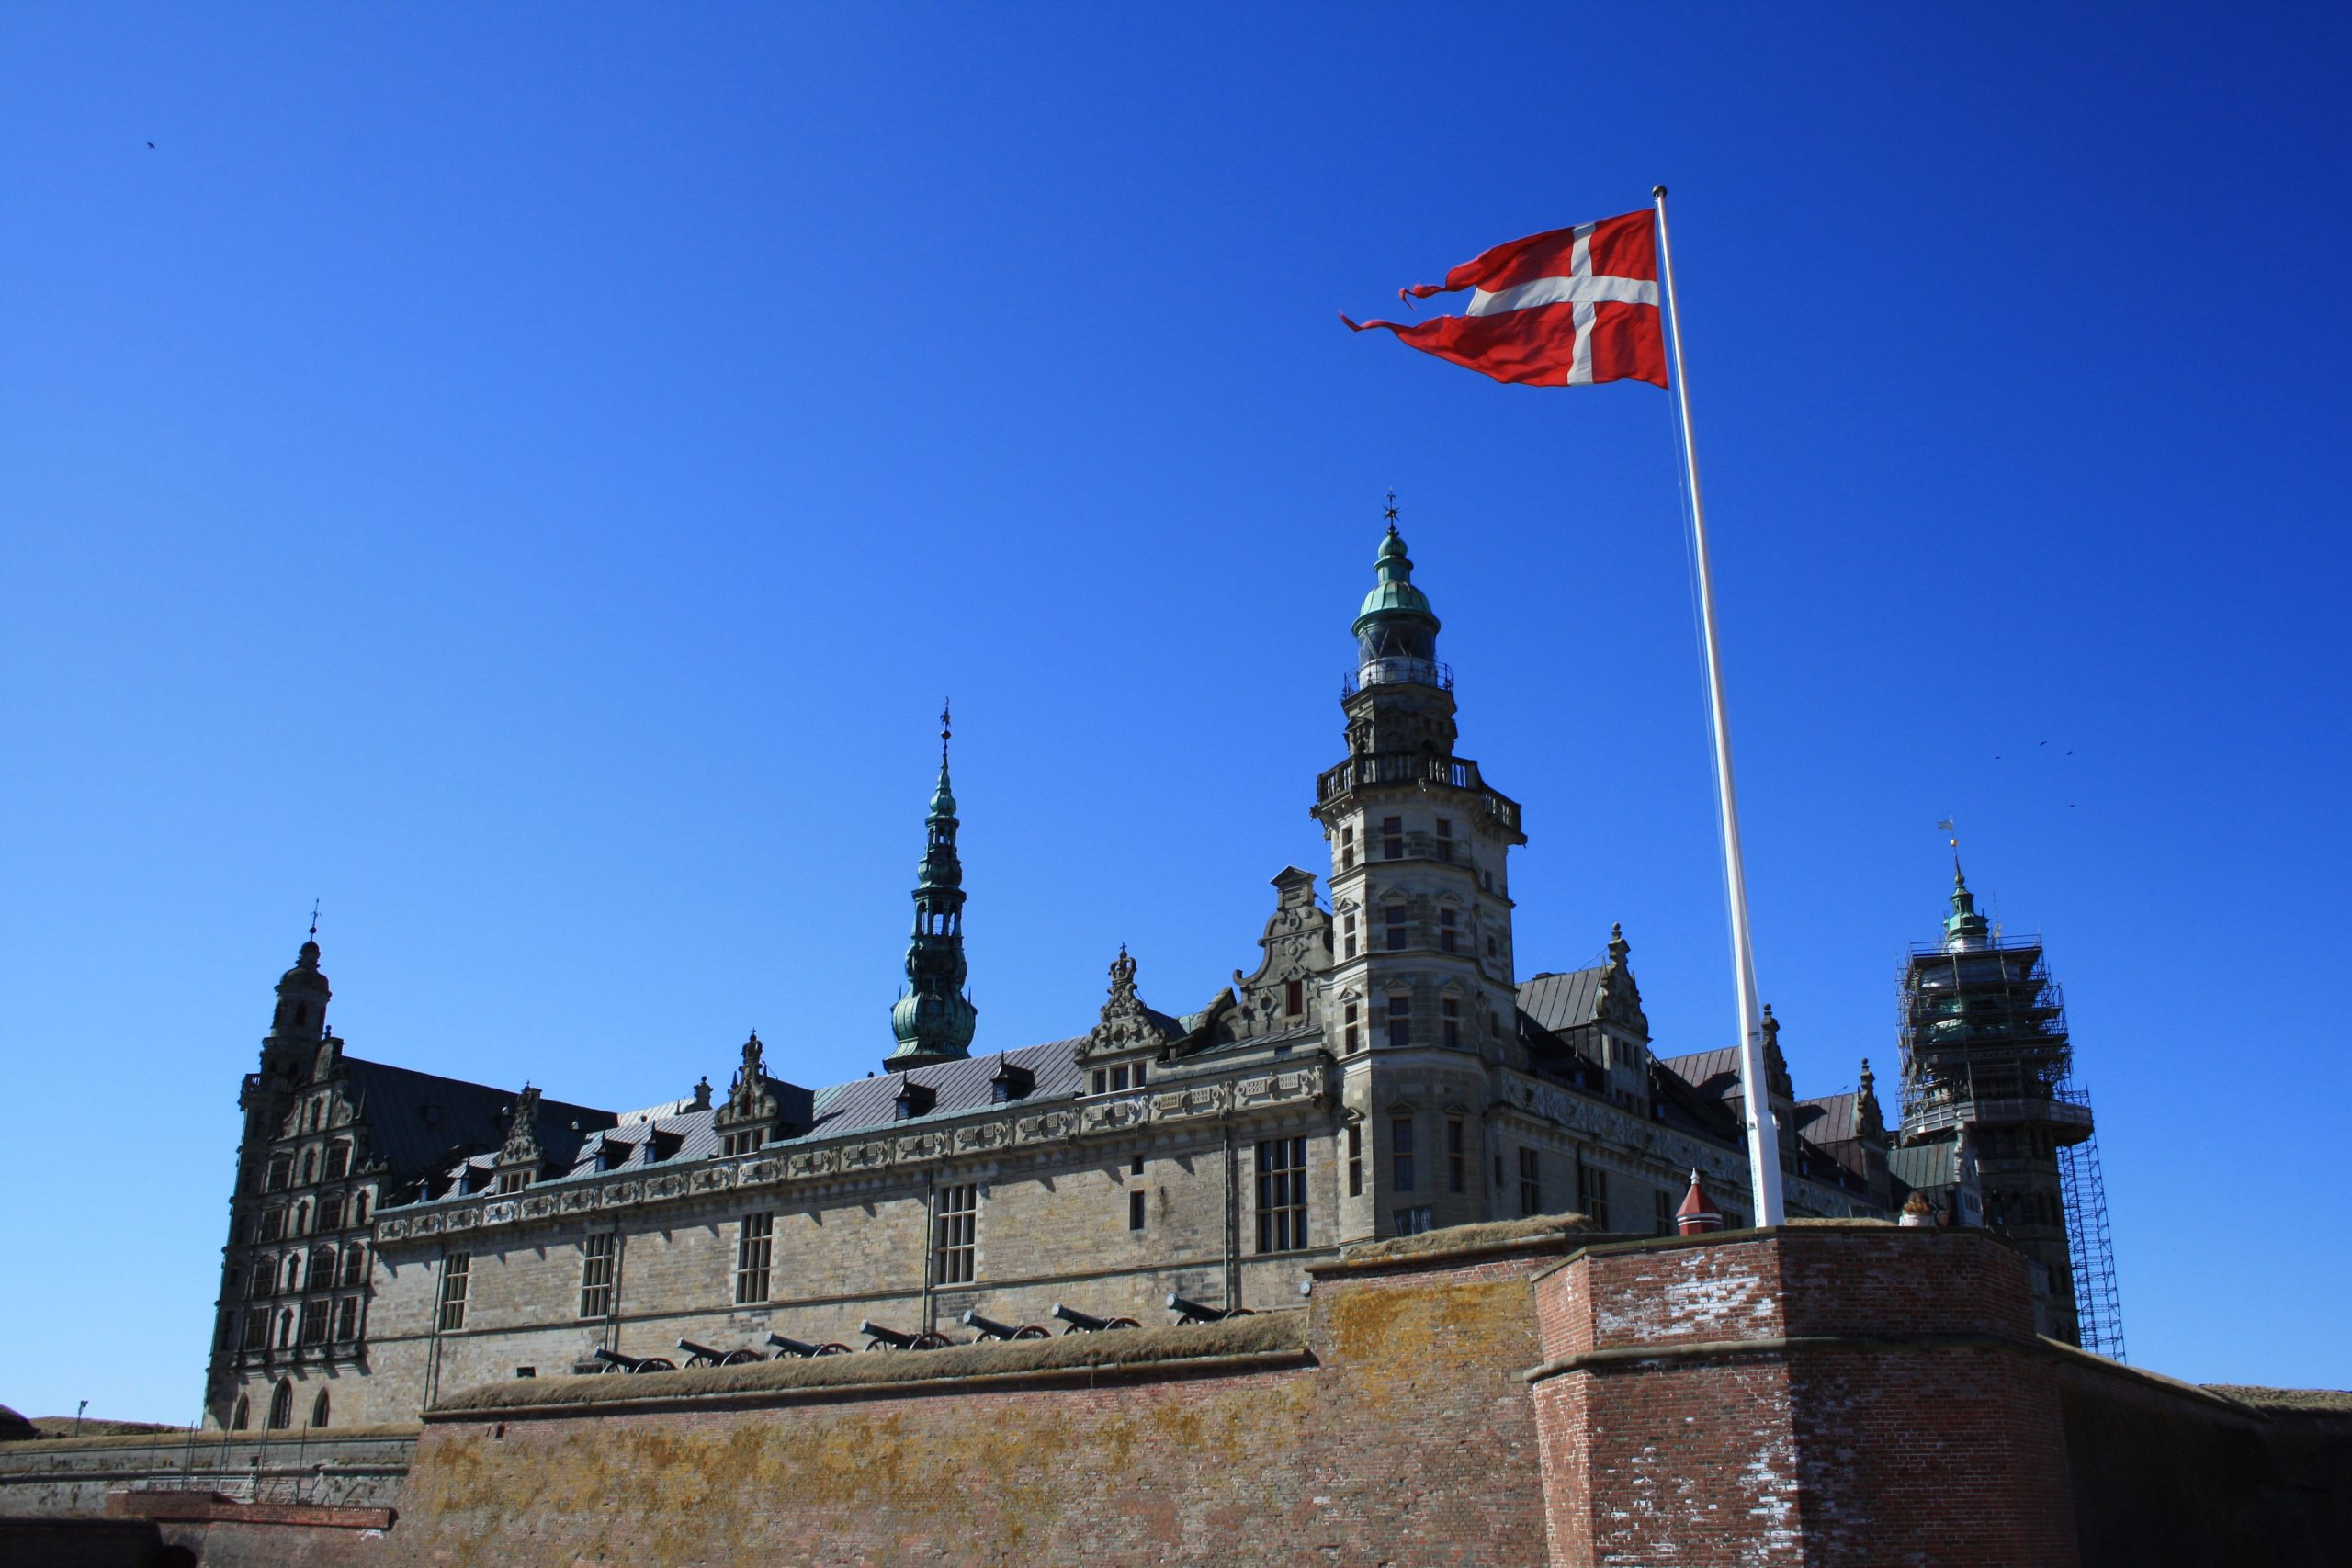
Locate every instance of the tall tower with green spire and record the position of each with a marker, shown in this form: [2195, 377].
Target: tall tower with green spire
[934, 1019]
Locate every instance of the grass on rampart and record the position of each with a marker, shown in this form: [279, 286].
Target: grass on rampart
[1260, 1333]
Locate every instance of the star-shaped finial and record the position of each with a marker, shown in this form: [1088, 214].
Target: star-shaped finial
[946, 727]
[1392, 509]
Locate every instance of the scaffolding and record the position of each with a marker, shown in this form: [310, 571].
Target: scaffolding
[1984, 1022]
[2090, 1250]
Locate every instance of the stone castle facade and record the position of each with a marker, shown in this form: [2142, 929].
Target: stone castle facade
[1386, 1069]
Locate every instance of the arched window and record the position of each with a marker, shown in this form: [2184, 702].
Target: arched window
[318, 1409]
[242, 1415]
[281, 1406]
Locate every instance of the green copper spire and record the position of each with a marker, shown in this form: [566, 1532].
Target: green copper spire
[1964, 926]
[934, 1020]
[1395, 627]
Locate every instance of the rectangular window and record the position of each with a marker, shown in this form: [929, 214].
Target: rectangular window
[1414, 1221]
[330, 1213]
[1592, 1193]
[1348, 936]
[1355, 1160]
[955, 1233]
[1445, 840]
[754, 1247]
[346, 1319]
[281, 1173]
[1531, 1182]
[1349, 1038]
[597, 1260]
[1135, 1211]
[1295, 997]
[1392, 838]
[1282, 1194]
[1449, 932]
[1400, 1151]
[273, 1223]
[1400, 926]
[1347, 848]
[355, 1265]
[1662, 1212]
[750, 1141]
[1135, 1167]
[1450, 1023]
[256, 1330]
[1400, 1021]
[338, 1161]
[1457, 1164]
[514, 1180]
[314, 1323]
[457, 1270]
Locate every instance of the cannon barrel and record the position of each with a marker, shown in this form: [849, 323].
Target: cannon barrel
[800, 1347]
[616, 1358]
[705, 1351]
[1083, 1320]
[1189, 1311]
[989, 1327]
[891, 1336]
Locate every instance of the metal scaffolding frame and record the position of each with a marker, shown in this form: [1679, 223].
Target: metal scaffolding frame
[2090, 1249]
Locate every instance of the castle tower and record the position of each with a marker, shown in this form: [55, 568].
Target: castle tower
[1985, 1068]
[1421, 995]
[934, 1020]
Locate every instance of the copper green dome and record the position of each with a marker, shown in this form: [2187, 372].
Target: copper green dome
[1394, 596]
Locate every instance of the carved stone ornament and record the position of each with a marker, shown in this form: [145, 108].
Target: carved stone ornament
[1125, 1026]
[522, 1146]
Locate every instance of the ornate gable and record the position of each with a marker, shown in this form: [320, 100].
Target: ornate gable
[1126, 1027]
[522, 1146]
[1619, 1000]
[1282, 994]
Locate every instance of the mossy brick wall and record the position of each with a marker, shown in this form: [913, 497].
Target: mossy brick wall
[1830, 1395]
[1411, 1441]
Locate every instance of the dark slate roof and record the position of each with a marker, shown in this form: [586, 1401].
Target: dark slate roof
[1714, 1073]
[1562, 1001]
[1830, 1118]
[420, 1121]
[856, 1106]
[1927, 1166]
[960, 1085]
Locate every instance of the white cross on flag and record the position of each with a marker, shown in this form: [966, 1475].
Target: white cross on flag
[1566, 308]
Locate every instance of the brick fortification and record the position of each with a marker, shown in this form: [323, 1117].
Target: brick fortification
[1521, 1396]
[1816, 1395]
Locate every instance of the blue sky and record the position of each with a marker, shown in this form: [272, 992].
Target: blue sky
[527, 476]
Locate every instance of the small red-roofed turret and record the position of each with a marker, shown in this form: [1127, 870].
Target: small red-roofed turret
[1698, 1214]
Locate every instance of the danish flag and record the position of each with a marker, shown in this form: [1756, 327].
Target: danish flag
[1566, 309]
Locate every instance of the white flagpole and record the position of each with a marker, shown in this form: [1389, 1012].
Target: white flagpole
[1763, 1143]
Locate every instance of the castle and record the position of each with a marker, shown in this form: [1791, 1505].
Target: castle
[395, 1235]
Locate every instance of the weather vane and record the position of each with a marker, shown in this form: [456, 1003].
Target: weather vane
[1392, 509]
[314, 920]
[945, 729]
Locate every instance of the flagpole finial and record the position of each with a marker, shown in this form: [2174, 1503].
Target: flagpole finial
[1658, 191]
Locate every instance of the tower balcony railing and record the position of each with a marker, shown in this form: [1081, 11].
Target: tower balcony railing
[1396, 673]
[1404, 768]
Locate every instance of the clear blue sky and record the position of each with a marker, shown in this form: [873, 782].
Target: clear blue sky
[527, 477]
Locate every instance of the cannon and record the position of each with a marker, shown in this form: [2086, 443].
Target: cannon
[989, 1329]
[1087, 1323]
[704, 1355]
[803, 1348]
[616, 1362]
[1200, 1312]
[877, 1337]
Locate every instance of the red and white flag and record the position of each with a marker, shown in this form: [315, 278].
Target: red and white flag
[1568, 309]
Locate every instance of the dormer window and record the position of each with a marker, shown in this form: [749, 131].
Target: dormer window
[1011, 1083]
[514, 1180]
[660, 1145]
[915, 1100]
[1113, 1080]
[612, 1153]
[749, 1141]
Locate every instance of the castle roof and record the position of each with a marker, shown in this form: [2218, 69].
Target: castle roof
[421, 1122]
[1563, 1002]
